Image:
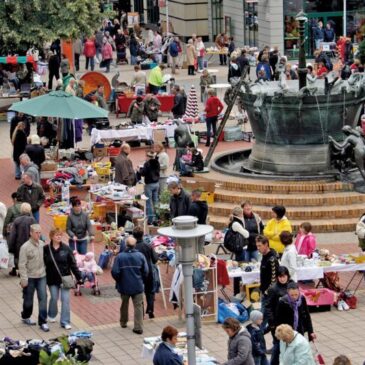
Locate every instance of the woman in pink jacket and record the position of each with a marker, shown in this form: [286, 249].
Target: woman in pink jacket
[90, 52]
[107, 54]
[306, 241]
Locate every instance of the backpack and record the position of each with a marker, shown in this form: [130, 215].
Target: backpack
[173, 49]
[234, 241]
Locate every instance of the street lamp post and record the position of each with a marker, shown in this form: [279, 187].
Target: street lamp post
[186, 231]
[302, 68]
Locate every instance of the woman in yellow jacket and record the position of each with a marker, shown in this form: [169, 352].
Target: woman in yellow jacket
[275, 226]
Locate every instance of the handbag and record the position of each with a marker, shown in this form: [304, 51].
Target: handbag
[67, 281]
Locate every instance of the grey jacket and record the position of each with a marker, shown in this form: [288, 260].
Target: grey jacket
[240, 349]
[31, 264]
[78, 225]
[32, 169]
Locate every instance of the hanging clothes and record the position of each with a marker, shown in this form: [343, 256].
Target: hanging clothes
[67, 137]
[78, 129]
[177, 280]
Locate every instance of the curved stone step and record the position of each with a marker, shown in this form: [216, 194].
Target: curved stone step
[323, 199]
[319, 225]
[278, 187]
[301, 213]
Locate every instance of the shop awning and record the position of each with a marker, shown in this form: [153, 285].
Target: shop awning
[14, 60]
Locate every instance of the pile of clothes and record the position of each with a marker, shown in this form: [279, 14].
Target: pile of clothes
[34, 352]
[165, 248]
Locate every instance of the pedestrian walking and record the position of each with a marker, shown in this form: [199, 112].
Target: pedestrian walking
[60, 263]
[33, 278]
[257, 338]
[19, 142]
[130, 270]
[191, 57]
[213, 108]
[151, 257]
[90, 53]
[107, 55]
[239, 343]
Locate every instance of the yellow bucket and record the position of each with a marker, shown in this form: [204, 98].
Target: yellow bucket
[60, 221]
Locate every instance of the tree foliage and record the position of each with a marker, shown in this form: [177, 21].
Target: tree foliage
[24, 23]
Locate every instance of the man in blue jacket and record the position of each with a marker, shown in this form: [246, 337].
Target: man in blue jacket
[130, 269]
[174, 53]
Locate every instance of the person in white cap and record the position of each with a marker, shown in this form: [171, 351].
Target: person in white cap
[35, 151]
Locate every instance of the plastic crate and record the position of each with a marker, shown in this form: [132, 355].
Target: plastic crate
[59, 221]
[102, 168]
[114, 151]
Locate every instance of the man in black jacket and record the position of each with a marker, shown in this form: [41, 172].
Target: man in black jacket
[32, 193]
[151, 173]
[179, 201]
[151, 258]
[268, 269]
[199, 209]
[178, 110]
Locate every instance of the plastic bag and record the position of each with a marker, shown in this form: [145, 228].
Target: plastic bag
[224, 311]
[4, 254]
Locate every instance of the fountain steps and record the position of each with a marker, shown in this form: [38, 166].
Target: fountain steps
[329, 206]
[319, 225]
[303, 213]
[341, 199]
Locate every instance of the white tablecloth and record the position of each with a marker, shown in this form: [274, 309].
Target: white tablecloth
[303, 273]
[129, 134]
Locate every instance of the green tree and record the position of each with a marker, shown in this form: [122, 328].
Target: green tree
[24, 23]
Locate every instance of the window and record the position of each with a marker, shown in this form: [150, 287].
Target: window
[217, 17]
[251, 23]
[320, 6]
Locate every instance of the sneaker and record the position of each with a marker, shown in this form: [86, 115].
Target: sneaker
[345, 306]
[29, 322]
[339, 305]
[66, 326]
[52, 320]
[44, 327]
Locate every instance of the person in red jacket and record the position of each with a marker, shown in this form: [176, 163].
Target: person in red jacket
[213, 108]
[90, 52]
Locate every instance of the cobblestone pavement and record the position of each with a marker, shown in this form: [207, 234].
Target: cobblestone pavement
[338, 332]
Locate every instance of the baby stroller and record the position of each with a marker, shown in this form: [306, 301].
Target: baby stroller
[89, 270]
[122, 54]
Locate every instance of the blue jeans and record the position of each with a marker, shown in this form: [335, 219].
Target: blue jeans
[275, 355]
[261, 360]
[200, 63]
[18, 171]
[251, 255]
[81, 246]
[36, 215]
[151, 191]
[211, 124]
[38, 285]
[133, 60]
[88, 276]
[92, 63]
[55, 291]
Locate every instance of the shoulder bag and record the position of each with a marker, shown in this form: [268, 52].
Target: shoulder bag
[67, 281]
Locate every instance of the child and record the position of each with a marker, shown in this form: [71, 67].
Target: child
[305, 241]
[89, 268]
[257, 338]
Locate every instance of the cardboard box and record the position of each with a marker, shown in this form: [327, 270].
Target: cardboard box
[100, 151]
[49, 165]
[193, 183]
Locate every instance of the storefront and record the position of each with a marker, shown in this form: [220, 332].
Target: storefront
[327, 12]
[251, 23]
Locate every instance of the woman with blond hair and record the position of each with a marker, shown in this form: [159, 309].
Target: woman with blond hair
[294, 347]
[59, 262]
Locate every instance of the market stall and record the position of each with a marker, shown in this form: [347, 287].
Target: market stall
[150, 345]
[123, 103]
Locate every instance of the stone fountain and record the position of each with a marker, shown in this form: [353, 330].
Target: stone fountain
[291, 121]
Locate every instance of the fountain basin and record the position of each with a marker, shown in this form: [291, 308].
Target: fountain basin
[291, 129]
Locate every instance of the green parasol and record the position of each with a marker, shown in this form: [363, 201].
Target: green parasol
[59, 104]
